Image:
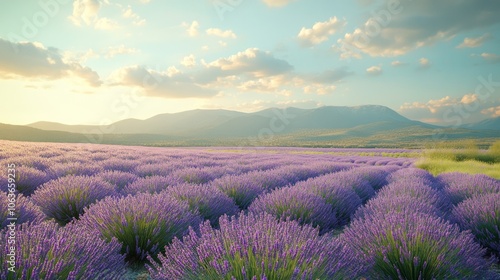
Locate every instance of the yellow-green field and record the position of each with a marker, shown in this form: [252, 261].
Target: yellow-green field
[466, 158]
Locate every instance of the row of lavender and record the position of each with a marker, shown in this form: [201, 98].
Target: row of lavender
[416, 227]
[138, 214]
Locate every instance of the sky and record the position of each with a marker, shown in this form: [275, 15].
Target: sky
[101, 61]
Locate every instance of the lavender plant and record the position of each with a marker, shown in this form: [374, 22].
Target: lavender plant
[153, 184]
[296, 204]
[210, 202]
[376, 176]
[117, 178]
[418, 191]
[240, 188]
[460, 186]
[119, 165]
[65, 199]
[73, 168]
[412, 175]
[44, 251]
[143, 223]
[413, 245]
[349, 179]
[481, 215]
[28, 179]
[255, 247]
[402, 203]
[25, 211]
[343, 200]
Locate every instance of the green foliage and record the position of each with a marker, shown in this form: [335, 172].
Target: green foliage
[462, 156]
[438, 166]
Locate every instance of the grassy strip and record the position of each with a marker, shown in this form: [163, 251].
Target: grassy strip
[438, 166]
[465, 158]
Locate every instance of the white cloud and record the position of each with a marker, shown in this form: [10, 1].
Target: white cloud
[276, 3]
[252, 62]
[374, 70]
[424, 62]
[264, 84]
[160, 84]
[221, 33]
[490, 57]
[106, 24]
[34, 60]
[320, 31]
[86, 11]
[397, 63]
[452, 110]
[398, 29]
[492, 112]
[189, 61]
[249, 71]
[319, 89]
[192, 29]
[136, 19]
[474, 42]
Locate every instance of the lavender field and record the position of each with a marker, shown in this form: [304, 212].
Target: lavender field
[116, 212]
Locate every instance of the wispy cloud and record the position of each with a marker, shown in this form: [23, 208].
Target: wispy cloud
[221, 33]
[474, 42]
[452, 110]
[320, 31]
[192, 28]
[34, 60]
[416, 24]
[374, 70]
[424, 63]
[491, 57]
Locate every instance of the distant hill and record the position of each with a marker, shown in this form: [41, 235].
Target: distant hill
[361, 126]
[24, 133]
[488, 124]
[217, 123]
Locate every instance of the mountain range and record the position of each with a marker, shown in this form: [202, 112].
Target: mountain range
[329, 125]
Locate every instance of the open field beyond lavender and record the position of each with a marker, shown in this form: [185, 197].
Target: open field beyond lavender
[112, 212]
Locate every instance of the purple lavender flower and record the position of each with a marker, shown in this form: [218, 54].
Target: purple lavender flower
[413, 245]
[255, 247]
[66, 198]
[203, 175]
[240, 188]
[119, 165]
[343, 200]
[352, 180]
[210, 202]
[460, 186]
[154, 184]
[481, 215]
[117, 178]
[156, 169]
[45, 251]
[376, 176]
[297, 204]
[401, 203]
[25, 211]
[28, 179]
[418, 191]
[412, 175]
[36, 162]
[73, 168]
[143, 223]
